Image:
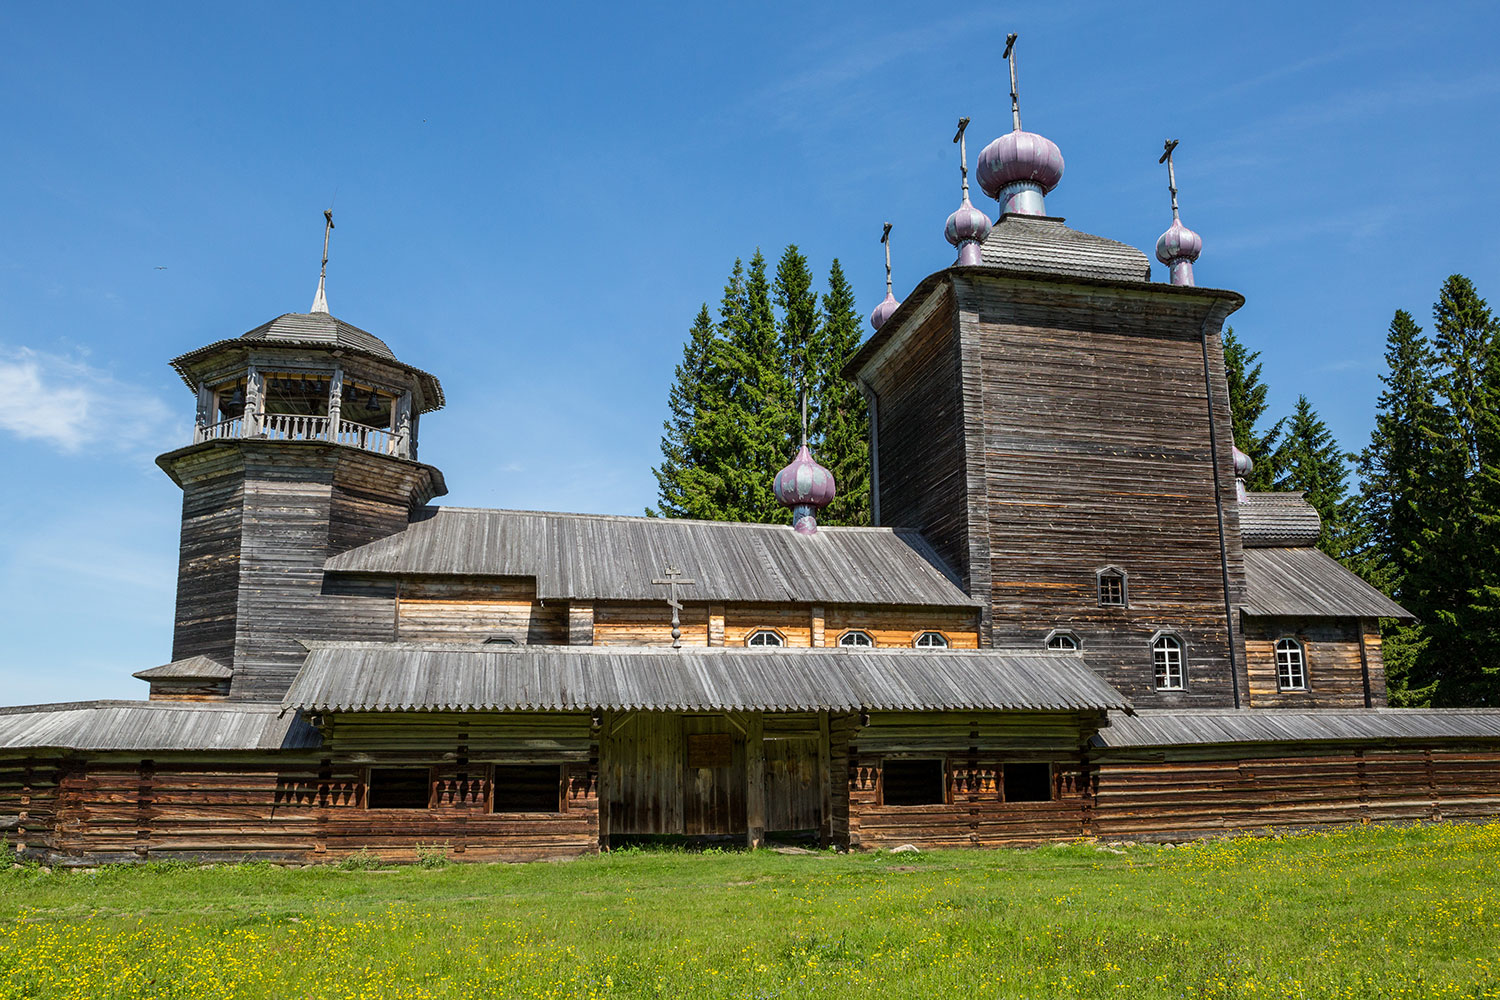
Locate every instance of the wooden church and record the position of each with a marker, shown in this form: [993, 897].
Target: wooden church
[1071, 620]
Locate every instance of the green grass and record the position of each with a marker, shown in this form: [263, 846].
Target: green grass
[1378, 912]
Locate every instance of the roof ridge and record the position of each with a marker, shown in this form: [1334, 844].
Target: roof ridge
[641, 518]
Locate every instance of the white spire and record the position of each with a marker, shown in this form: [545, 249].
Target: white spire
[320, 301]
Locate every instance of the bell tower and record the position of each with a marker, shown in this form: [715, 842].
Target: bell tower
[304, 445]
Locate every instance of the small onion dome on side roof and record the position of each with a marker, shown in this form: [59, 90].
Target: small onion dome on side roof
[1018, 170]
[966, 229]
[882, 312]
[1243, 466]
[806, 487]
[1178, 248]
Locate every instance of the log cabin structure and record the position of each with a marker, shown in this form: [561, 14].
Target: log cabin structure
[1070, 620]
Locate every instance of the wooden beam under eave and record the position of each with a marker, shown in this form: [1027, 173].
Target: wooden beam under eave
[755, 780]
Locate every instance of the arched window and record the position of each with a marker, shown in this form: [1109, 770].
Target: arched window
[1166, 657]
[1062, 639]
[856, 637]
[762, 638]
[1112, 587]
[1291, 669]
[931, 640]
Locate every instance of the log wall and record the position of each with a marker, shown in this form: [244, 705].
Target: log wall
[1341, 659]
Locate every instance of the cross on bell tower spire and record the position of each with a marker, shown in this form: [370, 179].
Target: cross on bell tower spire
[320, 301]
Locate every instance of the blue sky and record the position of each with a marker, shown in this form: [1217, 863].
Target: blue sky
[532, 200]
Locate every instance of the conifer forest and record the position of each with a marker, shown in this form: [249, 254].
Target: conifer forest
[1415, 511]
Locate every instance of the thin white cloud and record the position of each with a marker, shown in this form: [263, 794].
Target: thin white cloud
[72, 405]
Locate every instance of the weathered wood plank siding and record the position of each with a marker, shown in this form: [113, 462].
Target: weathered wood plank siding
[1332, 660]
[473, 609]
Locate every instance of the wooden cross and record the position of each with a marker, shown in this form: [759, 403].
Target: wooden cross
[1015, 101]
[1166, 157]
[672, 582]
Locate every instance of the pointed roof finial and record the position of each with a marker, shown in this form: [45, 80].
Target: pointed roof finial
[889, 304]
[1179, 246]
[968, 226]
[1015, 102]
[320, 301]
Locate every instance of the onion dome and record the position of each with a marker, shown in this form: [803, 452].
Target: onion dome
[1018, 170]
[1243, 464]
[806, 487]
[1178, 248]
[882, 312]
[968, 224]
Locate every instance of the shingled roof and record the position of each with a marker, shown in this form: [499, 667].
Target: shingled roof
[193, 668]
[1169, 727]
[1300, 582]
[1269, 520]
[599, 557]
[383, 677]
[1037, 243]
[153, 726]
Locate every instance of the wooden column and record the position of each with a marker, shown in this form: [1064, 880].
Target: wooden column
[335, 402]
[580, 623]
[205, 414]
[1364, 662]
[755, 780]
[255, 384]
[825, 783]
[817, 625]
[401, 419]
[716, 624]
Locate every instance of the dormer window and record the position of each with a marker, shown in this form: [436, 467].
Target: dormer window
[856, 637]
[1062, 639]
[501, 640]
[931, 640]
[765, 638]
[1112, 587]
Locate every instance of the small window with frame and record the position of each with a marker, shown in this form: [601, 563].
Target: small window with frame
[931, 640]
[398, 788]
[1026, 781]
[1113, 587]
[765, 638]
[1062, 640]
[856, 637]
[1168, 663]
[1291, 665]
[906, 782]
[526, 788]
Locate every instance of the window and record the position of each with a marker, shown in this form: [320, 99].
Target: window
[931, 640]
[1166, 656]
[1291, 671]
[1112, 593]
[1027, 782]
[856, 637]
[519, 788]
[1062, 639]
[765, 637]
[912, 783]
[398, 788]
[501, 640]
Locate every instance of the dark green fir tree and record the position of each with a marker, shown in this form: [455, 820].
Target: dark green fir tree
[1310, 460]
[842, 422]
[1247, 403]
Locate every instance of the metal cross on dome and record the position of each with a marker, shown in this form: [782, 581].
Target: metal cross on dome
[672, 582]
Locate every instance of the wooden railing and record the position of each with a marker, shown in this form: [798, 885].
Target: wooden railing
[300, 427]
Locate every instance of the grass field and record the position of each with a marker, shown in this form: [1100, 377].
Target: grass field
[1376, 912]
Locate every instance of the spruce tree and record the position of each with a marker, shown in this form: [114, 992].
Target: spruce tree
[1309, 459]
[1247, 403]
[686, 482]
[842, 421]
[800, 334]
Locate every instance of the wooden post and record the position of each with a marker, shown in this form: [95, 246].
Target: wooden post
[411, 445]
[755, 780]
[254, 390]
[401, 418]
[825, 783]
[716, 624]
[335, 402]
[580, 623]
[1364, 662]
[205, 414]
[817, 625]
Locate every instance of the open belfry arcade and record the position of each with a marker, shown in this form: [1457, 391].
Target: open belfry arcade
[1070, 620]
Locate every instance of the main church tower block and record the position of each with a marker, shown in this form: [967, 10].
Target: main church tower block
[304, 446]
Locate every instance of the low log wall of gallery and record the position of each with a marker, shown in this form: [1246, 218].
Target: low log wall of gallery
[1173, 793]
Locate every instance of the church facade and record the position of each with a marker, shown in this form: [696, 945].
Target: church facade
[1071, 619]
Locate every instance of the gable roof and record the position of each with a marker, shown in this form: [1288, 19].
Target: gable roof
[1306, 582]
[1039, 243]
[1270, 520]
[386, 677]
[1171, 727]
[599, 557]
[192, 668]
[155, 726]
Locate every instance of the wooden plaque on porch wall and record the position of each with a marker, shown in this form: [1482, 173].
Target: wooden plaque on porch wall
[710, 750]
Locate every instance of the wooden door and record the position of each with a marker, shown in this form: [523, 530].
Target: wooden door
[713, 777]
[793, 798]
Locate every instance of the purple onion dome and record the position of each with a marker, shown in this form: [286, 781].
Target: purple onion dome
[883, 311]
[1243, 465]
[1178, 243]
[804, 482]
[1019, 156]
[968, 223]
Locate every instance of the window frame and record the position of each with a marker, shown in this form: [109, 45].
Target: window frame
[369, 776]
[944, 780]
[1051, 782]
[916, 640]
[562, 788]
[780, 642]
[1066, 634]
[869, 644]
[1301, 665]
[1178, 644]
[1112, 573]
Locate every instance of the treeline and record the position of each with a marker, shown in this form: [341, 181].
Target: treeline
[734, 418]
[1423, 520]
